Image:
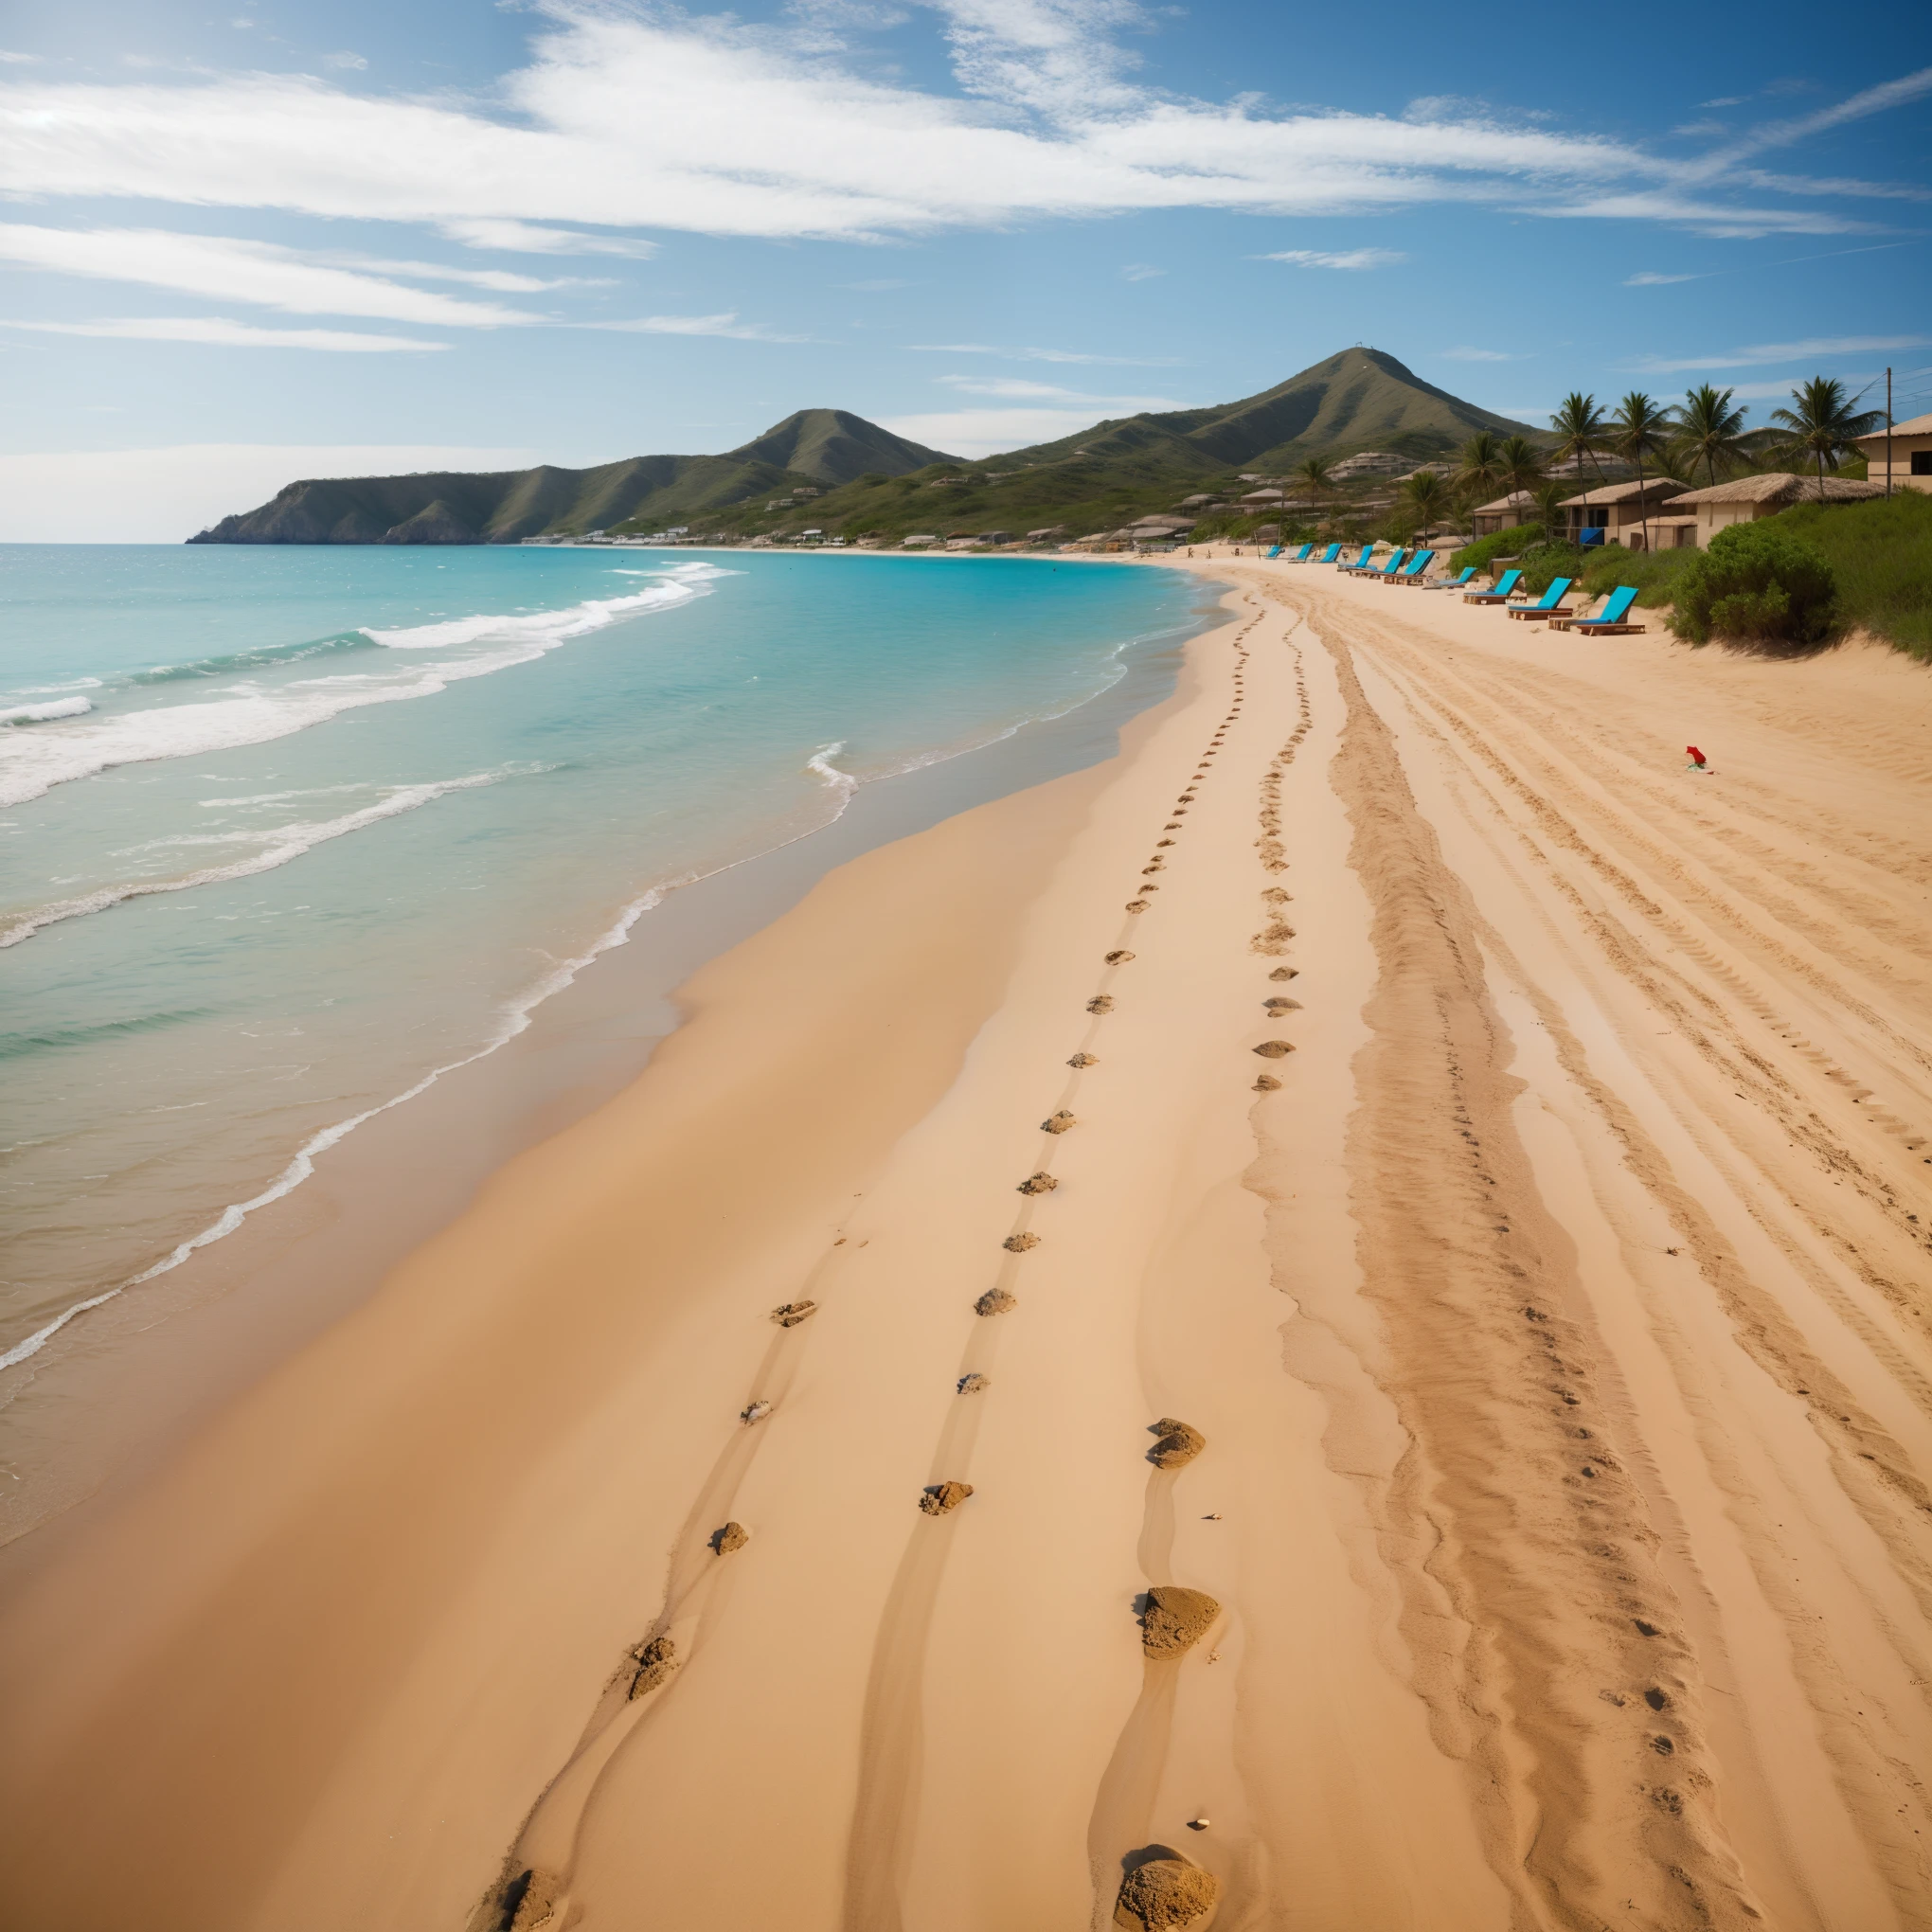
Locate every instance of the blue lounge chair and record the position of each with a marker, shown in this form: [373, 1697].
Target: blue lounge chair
[1551, 605]
[1497, 593]
[1329, 555]
[1301, 555]
[1418, 563]
[1386, 569]
[1361, 563]
[1609, 622]
[1457, 582]
[1275, 552]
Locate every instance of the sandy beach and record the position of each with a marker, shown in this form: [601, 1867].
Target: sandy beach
[1476, 1280]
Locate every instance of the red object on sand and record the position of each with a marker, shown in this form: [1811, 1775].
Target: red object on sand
[1696, 757]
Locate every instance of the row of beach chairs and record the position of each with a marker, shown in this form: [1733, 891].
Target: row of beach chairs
[1612, 620]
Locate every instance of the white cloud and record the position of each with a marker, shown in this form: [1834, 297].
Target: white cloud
[1481, 355]
[349, 63]
[1718, 220]
[626, 119]
[1650, 278]
[1811, 350]
[13, 60]
[164, 495]
[226, 270]
[1696, 129]
[1140, 271]
[217, 330]
[1017, 389]
[525, 237]
[500, 280]
[1322, 257]
[727, 324]
[986, 432]
[1046, 356]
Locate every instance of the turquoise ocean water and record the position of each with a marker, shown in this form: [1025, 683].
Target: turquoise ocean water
[286, 831]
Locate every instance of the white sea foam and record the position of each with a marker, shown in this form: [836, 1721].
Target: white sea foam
[33, 763]
[515, 1017]
[279, 844]
[43, 713]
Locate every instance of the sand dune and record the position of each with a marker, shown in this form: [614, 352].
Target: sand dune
[1324, 1326]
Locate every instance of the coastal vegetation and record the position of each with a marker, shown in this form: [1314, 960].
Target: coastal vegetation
[1757, 584]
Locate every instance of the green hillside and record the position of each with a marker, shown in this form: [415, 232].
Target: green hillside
[1361, 399]
[815, 449]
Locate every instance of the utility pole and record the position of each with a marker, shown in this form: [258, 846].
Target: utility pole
[1888, 434]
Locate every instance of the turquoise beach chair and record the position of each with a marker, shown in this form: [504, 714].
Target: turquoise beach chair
[1497, 593]
[1418, 563]
[1550, 607]
[1361, 563]
[1609, 622]
[1275, 552]
[1329, 555]
[1457, 582]
[1394, 563]
[1301, 555]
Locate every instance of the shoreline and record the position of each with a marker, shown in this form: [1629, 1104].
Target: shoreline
[575, 1046]
[1494, 1143]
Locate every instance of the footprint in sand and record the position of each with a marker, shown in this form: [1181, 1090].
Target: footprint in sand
[655, 1661]
[1282, 1004]
[1166, 1893]
[754, 1412]
[790, 1313]
[1286, 973]
[1265, 1082]
[1178, 1444]
[1087, 1058]
[1019, 1243]
[1118, 957]
[939, 1498]
[1100, 1003]
[972, 1385]
[996, 1302]
[732, 1536]
[1057, 1123]
[1037, 1184]
[1274, 1050]
[1175, 1619]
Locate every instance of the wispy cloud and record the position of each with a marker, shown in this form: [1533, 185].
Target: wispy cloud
[1483, 355]
[781, 130]
[348, 62]
[1016, 388]
[228, 270]
[1046, 356]
[727, 324]
[1811, 350]
[528, 238]
[1140, 271]
[221, 333]
[1650, 278]
[1323, 257]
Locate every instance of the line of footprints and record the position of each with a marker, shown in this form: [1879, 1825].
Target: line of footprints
[1158, 1891]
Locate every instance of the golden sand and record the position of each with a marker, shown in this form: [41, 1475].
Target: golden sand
[1551, 1547]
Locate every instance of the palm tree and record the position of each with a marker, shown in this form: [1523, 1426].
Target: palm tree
[1480, 471]
[1708, 430]
[1822, 421]
[1637, 433]
[1579, 430]
[1550, 502]
[1314, 473]
[1427, 497]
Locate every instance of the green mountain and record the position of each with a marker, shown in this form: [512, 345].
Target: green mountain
[1359, 400]
[815, 448]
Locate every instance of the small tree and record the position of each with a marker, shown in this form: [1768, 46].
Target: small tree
[1822, 423]
[1425, 496]
[1581, 431]
[1481, 468]
[1708, 430]
[1637, 433]
[1315, 472]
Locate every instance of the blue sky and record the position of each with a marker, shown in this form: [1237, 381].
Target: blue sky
[246, 241]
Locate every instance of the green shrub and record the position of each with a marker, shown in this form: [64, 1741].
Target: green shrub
[1755, 584]
[1655, 573]
[1543, 563]
[1880, 552]
[1497, 544]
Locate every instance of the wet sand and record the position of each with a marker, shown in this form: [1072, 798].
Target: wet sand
[1547, 1540]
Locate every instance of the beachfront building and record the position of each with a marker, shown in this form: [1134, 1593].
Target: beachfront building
[1505, 513]
[1911, 455]
[1618, 510]
[1372, 463]
[920, 543]
[1707, 511]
